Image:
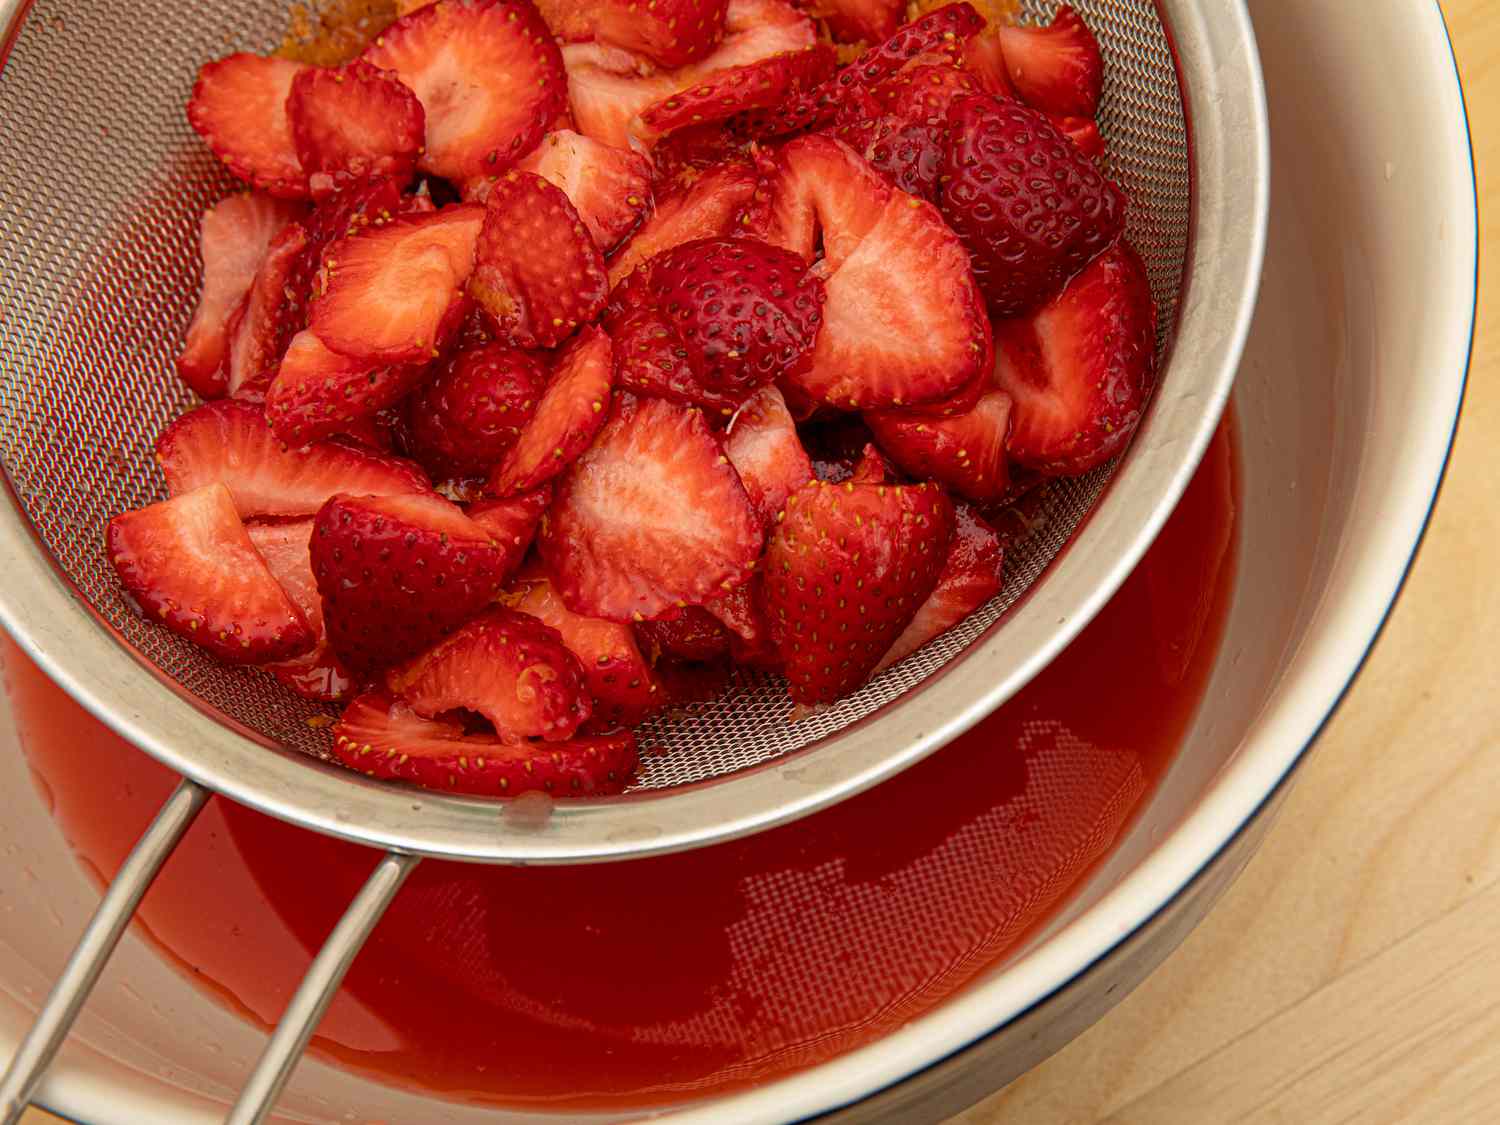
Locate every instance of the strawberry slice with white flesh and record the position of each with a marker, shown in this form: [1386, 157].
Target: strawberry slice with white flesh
[512, 523]
[233, 239]
[488, 75]
[318, 674]
[609, 187]
[316, 392]
[966, 452]
[380, 736]
[355, 123]
[189, 564]
[711, 206]
[651, 517]
[230, 443]
[238, 106]
[572, 410]
[1081, 367]
[763, 446]
[394, 293]
[1057, 69]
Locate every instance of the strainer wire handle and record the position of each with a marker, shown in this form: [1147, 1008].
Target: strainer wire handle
[87, 961]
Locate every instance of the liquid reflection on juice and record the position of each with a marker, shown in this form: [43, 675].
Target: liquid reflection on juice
[636, 983]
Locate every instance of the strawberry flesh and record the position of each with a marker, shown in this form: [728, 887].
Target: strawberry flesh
[965, 452]
[709, 207]
[609, 187]
[862, 21]
[763, 446]
[671, 33]
[316, 392]
[693, 634]
[739, 89]
[238, 106]
[353, 124]
[318, 674]
[1057, 69]
[268, 320]
[512, 523]
[469, 415]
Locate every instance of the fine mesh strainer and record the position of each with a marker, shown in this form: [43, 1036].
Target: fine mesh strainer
[102, 184]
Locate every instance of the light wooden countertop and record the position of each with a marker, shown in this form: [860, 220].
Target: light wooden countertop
[1386, 1008]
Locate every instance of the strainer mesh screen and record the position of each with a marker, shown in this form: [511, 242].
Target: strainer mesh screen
[101, 187]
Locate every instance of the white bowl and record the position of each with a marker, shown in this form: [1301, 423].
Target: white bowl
[1346, 400]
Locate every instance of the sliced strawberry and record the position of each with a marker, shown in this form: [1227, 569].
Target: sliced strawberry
[469, 414]
[765, 450]
[512, 522]
[383, 737]
[239, 107]
[709, 207]
[507, 666]
[1029, 206]
[985, 60]
[233, 240]
[188, 563]
[317, 392]
[1058, 68]
[397, 572]
[1083, 132]
[693, 634]
[609, 187]
[861, 21]
[354, 123]
[571, 411]
[608, 90]
[1081, 367]
[230, 443]
[488, 75]
[268, 320]
[671, 33]
[972, 574]
[817, 190]
[965, 452]
[872, 467]
[622, 685]
[653, 516]
[393, 293]
[318, 674]
[740, 611]
[537, 272]
[845, 573]
[649, 357]
[721, 94]
[681, 157]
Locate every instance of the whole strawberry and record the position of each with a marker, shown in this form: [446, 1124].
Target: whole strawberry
[471, 413]
[1031, 208]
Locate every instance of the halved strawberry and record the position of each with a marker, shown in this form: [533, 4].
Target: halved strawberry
[965, 452]
[354, 123]
[238, 106]
[845, 572]
[268, 320]
[512, 522]
[649, 357]
[508, 667]
[317, 392]
[721, 94]
[233, 239]
[1081, 367]
[571, 411]
[1083, 132]
[815, 191]
[230, 442]
[1058, 68]
[383, 737]
[908, 139]
[651, 517]
[608, 89]
[671, 33]
[693, 634]
[469, 414]
[985, 60]
[397, 572]
[763, 447]
[708, 207]
[318, 674]
[537, 272]
[622, 685]
[972, 574]
[488, 75]
[1029, 206]
[861, 21]
[393, 293]
[188, 563]
[609, 187]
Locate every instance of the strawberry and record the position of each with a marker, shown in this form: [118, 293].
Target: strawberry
[650, 359]
[621, 684]
[984, 58]
[393, 293]
[238, 106]
[512, 523]
[903, 322]
[693, 634]
[861, 21]
[468, 416]
[609, 187]
[721, 94]
[972, 574]
[907, 139]
[508, 667]
[671, 33]
[836, 443]
[318, 674]
[383, 737]
[233, 240]
[397, 572]
[488, 75]
[1056, 69]
[844, 574]
[1029, 206]
[763, 447]
[650, 517]
[608, 90]
[707, 208]
[317, 392]
[681, 157]
[537, 272]
[230, 443]
[188, 563]
[1080, 368]
[268, 320]
[965, 452]
[740, 611]
[352, 124]
[1083, 132]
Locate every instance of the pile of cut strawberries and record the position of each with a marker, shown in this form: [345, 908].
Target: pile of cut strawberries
[560, 358]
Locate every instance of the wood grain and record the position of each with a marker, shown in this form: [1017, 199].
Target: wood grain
[1388, 1009]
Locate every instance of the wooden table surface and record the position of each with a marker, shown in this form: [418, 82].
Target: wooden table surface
[1352, 974]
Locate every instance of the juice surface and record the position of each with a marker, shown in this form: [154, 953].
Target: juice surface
[637, 983]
